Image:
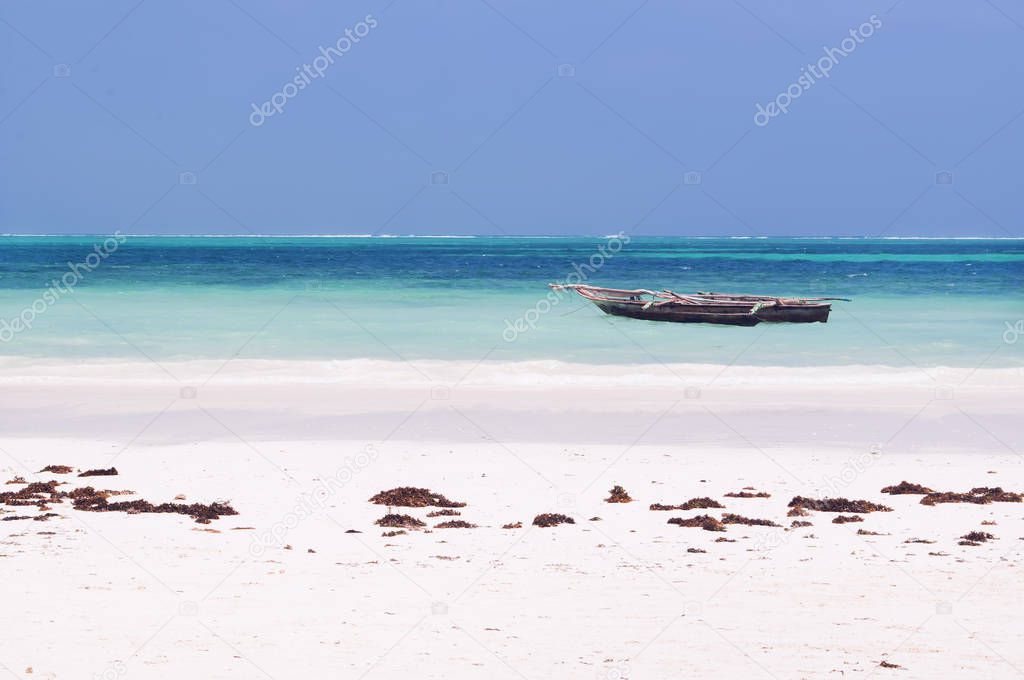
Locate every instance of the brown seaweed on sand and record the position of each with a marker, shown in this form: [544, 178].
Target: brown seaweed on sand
[97, 502]
[36, 493]
[799, 524]
[86, 492]
[58, 469]
[997, 494]
[797, 511]
[101, 472]
[392, 534]
[748, 494]
[552, 519]
[618, 495]
[978, 536]
[886, 664]
[413, 497]
[907, 488]
[696, 550]
[444, 513]
[846, 519]
[42, 493]
[455, 524]
[400, 522]
[16, 480]
[705, 522]
[919, 540]
[837, 505]
[512, 525]
[979, 495]
[865, 532]
[692, 504]
[730, 518]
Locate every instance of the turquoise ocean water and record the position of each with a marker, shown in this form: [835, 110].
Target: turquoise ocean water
[927, 302]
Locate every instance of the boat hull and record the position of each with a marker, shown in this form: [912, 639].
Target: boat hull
[679, 313]
[731, 314]
[795, 313]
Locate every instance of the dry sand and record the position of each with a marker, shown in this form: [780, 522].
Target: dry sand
[299, 448]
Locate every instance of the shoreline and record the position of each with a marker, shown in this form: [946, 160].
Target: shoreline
[483, 372]
[536, 402]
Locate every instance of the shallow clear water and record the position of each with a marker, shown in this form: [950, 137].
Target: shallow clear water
[926, 302]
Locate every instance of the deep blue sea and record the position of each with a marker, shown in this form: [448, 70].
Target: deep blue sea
[927, 302]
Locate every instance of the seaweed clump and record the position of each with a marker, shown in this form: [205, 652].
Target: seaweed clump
[702, 503]
[975, 538]
[512, 525]
[799, 524]
[90, 500]
[413, 497]
[705, 522]
[400, 522]
[36, 493]
[447, 512]
[58, 469]
[905, 488]
[748, 494]
[618, 495]
[730, 518]
[979, 495]
[101, 472]
[846, 519]
[552, 519]
[837, 505]
[455, 524]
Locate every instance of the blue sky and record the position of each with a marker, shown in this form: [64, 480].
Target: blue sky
[545, 117]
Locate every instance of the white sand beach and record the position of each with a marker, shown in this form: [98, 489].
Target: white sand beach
[280, 590]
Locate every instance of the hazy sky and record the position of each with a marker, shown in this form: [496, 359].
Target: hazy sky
[548, 117]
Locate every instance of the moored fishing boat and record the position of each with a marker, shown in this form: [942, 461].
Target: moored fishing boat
[703, 307]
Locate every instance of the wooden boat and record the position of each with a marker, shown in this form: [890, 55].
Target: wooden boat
[703, 307]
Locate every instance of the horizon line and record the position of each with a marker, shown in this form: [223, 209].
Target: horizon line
[896, 237]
